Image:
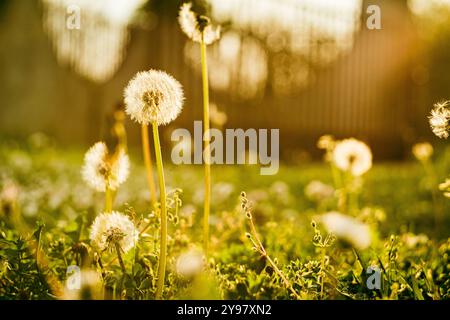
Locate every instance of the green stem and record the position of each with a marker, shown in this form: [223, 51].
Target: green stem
[108, 200]
[162, 188]
[207, 154]
[322, 271]
[148, 163]
[119, 256]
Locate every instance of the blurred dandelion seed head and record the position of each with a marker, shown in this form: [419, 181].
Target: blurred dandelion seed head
[153, 96]
[190, 263]
[319, 191]
[347, 229]
[102, 170]
[197, 26]
[439, 119]
[422, 151]
[113, 228]
[9, 193]
[326, 142]
[353, 156]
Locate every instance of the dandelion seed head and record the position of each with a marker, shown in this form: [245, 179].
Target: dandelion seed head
[9, 193]
[347, 229]
[190, 263]
[113, 228]
[353, 156]
[194, 25]
[439, 119]
[153, 96]
[422, 151]
[102, 170]
[318, 191]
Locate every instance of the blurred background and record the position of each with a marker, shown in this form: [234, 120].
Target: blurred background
[307, 67]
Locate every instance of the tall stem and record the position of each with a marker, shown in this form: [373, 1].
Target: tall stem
[162, 188]
[207, 155]
[148, 163]
[108, 200]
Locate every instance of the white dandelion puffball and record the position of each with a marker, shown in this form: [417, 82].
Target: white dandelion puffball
[153, 96]
[191, 26]
[101, 170]
[113, 228]
[347, 229]
[190, 263]
[422, 151]
[352, 155]
[319, 191]
[439, 119]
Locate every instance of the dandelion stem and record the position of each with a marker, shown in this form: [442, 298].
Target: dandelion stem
[108, 200]
[119, 256]
[148, 163]
[162, 188]
[207, 155]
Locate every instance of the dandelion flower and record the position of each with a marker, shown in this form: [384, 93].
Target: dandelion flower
[422, 151]
[153, 96]
[347, 229]
[157, 98]
[352, 155]
[102, 171]
[111, 229]
[190, 263]
[318, 191]
[194, 25]
[439, 119]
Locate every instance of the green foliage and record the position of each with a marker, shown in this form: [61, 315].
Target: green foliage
[55, 210]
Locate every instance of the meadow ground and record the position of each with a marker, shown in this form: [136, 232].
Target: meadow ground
[53, 210]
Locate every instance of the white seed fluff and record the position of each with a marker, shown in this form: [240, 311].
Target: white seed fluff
[190, 263]
[153, 96]
[353, 156]
[439, 119]
[111, 228]
[348, 229]
[101, 170]
[189, 25]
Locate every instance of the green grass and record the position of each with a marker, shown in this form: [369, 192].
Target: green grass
[55, 203]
